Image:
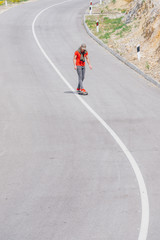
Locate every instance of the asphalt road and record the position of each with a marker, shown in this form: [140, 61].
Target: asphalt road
[62, 175]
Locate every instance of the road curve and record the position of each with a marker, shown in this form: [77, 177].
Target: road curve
[62, 175]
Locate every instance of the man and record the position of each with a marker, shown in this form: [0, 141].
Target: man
[79, 64]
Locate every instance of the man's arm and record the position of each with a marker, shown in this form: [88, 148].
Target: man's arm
[88, 61]
[74, 62]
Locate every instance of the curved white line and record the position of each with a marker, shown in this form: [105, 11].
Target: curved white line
[142, 187]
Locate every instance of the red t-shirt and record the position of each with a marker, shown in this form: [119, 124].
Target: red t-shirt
[78, 59]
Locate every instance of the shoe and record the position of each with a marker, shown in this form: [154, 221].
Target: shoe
[83, 90]
[78, 89]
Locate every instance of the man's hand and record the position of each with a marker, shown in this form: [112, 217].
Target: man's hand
[75, 67]
[90, 66]
[88, 61]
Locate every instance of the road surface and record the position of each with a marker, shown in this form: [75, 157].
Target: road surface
[63, 176]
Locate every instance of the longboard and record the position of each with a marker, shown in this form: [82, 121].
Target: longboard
[83, 93]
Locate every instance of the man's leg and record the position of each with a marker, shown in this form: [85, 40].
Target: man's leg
[83, 73]
[80, 77]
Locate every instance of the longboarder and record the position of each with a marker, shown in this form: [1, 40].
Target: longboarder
[79, 64]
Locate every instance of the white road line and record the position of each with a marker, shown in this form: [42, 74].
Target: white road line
[142, 187]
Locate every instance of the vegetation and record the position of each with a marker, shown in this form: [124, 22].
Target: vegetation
[2, 2]
[108, 27]
[124, 24]
[147, 65]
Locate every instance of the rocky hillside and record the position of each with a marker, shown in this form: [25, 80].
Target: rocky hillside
[138, 23]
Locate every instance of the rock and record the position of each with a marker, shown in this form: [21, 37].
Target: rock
[133, 11]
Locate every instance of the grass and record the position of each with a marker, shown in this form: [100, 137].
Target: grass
[91, 23]
[108, 27]
[147, 65]
[123, 10]
[123, 31]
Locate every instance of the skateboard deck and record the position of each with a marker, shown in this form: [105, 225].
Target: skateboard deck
[83, 93]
